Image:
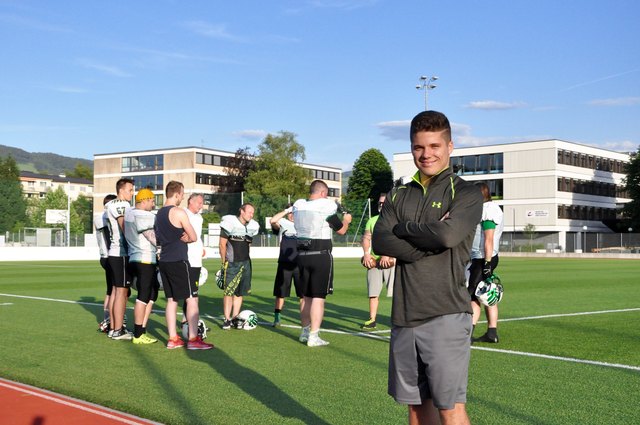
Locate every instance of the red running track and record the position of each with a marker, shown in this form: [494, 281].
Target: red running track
[22, 404]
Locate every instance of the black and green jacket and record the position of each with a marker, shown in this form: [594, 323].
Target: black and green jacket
[429, 230]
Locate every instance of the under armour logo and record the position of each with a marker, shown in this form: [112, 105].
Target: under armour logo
[436, 204]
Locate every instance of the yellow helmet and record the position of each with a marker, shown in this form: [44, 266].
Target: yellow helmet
[144, 194]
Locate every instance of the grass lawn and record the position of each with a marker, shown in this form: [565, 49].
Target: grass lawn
[569, 350]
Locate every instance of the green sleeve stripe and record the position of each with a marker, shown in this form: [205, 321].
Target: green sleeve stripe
[488, 224]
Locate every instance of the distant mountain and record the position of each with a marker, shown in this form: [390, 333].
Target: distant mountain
[43, 162]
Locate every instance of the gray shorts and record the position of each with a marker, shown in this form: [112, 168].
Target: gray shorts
[431, 361]
[377, 278]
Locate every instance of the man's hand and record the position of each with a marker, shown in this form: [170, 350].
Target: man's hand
[185, 238]
[368, 261]
[486, 270]
[386, 262]
[346, 218]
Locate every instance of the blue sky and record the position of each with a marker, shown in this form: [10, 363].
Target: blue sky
[80, 77]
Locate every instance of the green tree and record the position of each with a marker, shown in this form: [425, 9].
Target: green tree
[12, 203]
[54, 200]
[632, 186]
[227, 200]
[530, 231]
[371, 176]
[81, 171]
[276, 176]
[83, 207]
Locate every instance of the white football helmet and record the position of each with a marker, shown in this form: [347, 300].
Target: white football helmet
[204, 274]
[247, 320]
[489, 292]
[202, 330]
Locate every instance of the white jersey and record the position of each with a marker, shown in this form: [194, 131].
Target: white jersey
[490, 212]
[100, 224]
[194, 249]
[287, 228]
[310, 218]
[232, 225]
[137, 221]
[114, 209]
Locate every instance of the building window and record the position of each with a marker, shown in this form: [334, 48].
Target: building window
[209, 159]
[142, 163]
[153, 182]
[334, 193]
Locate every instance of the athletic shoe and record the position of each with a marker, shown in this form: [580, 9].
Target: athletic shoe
[104, 326]
[316, 341]
[197, 344]
[486, 338]
[122, 334]
[276, 320]
[110, 333]
[175, 342]
[236, 323]
[369, 325]
[226, 325]
[304, 335]
[144, 339]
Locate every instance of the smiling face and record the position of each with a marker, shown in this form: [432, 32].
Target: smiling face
[246, 214]
[431, 151]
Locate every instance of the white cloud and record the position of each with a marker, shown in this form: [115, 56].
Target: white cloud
[395, 130]
[210, 30]
[106, 69]
[32, 24]
[252, 135]
[342, 4]
[489, 105]
[620, 101]
[622, 146]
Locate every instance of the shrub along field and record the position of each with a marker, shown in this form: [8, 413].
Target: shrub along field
[569, 350]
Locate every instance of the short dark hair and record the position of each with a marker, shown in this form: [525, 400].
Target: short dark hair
[317, 186]
[173, 187]
[120, 184]
[108, 198]
[430, 121]
[246, 204]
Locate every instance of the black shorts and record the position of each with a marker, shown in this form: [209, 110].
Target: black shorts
[176, 280]
[284, 275]
[120, 271]
[194, 276]
[104, 262]
[237, 278]
[475, 274]
[146, 277]
[316, 273]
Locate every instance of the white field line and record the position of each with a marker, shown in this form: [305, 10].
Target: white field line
[378, 334]
[77, 404]
[564, 359]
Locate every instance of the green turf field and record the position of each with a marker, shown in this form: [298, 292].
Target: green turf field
[569, 350]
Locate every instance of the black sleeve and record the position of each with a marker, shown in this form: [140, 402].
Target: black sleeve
[385, 242]
[463, 216]
[334, 222]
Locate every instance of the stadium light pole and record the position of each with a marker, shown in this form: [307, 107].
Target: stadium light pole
[425, 84]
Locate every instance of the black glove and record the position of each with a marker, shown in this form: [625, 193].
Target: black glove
[486, 270]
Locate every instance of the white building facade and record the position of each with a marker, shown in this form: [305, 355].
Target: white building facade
[200, 169]
[560, 188]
